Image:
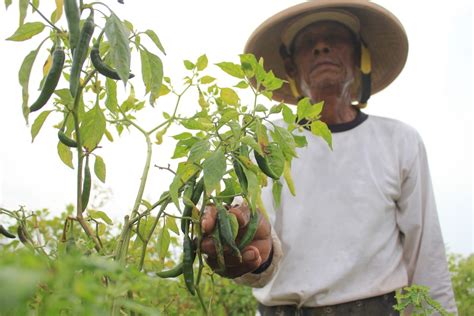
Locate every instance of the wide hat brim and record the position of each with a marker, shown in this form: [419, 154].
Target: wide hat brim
[379, 29]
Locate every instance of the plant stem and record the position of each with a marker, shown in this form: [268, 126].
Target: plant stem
[121, 251]
[45, 18]
[87, 229]
[147, 239]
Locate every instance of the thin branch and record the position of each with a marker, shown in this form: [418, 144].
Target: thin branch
[45, 18]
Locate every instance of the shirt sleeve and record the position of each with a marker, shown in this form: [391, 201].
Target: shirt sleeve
[261, 279]
[424, 253]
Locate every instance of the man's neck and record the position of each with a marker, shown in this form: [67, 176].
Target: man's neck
[337, 110]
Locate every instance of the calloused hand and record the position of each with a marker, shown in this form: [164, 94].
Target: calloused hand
[253, 255]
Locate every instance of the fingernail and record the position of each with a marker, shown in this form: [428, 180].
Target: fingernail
[249, 255]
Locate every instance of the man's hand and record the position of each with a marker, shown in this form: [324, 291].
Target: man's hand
[256, 253]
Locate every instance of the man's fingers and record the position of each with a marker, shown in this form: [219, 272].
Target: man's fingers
[242, 213]
[208, 220]
[263, 247]
[251, 260]
[263, 229]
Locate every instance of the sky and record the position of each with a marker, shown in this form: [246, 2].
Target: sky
[432, 94]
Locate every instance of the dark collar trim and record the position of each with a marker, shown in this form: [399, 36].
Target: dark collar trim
[342, 127]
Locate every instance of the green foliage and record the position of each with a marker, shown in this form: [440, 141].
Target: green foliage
[417, 297]
[462, 269]
[72, 280]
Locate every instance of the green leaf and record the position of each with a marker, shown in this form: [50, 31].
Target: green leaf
[286, 142]
[276, 108]
[152, 35]
[188, 65]
[207, 79]
[199, 150]
[117, 35]
[163, 243]
[214, 170]
[307, 110]
[201, 63]
[164, 90]
[23, 9]
[203, 124]
[100, 215]
[65, 154]
[271, 82]
[252, 186]
[65, 97]
[184, 135]
[250, 141]
[230, 189]
[242, 85]
[111, 102]
[174, 191]
[27, 31]
[38, 123]
[288, 116]
[182, 147]
[58, 12]
[319, 128]
[7, 4]
[171, 225]
[300, 141]
[24, 78]
[129, 26]
[262, 135]
[249, 64]
[99, 168]
[229, 96]
[109, 136]
[92, 127]
[260, 108]
[146, 70]
[232, 69]
[152, 74]
[303, 107]
[227, 115]
[276, 191]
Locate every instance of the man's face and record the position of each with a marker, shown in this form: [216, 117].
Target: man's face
[324, 59]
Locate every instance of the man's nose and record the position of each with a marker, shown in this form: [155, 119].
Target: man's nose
[321, 47]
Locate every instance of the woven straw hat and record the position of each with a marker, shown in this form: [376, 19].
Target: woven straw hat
[379, 29]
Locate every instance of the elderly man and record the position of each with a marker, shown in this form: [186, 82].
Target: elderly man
[363, 222]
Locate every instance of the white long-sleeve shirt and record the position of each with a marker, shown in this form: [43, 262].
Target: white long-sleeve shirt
[363, 221]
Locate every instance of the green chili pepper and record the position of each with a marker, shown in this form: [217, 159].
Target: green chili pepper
[234, 224]
[71, 241]
[193, 199]
[216, 237]
[188, 209]
[251, 230]
[5, 232]
[22, 235]
[171, 273]
[71, 10]
[66, 140]
[188, 260]
[80, 53]
[272, 164]
[86, 185]
[51, 80]
[226, 230]
[240, 176]
[101, 66]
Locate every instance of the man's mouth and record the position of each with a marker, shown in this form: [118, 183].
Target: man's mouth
[323, 64]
